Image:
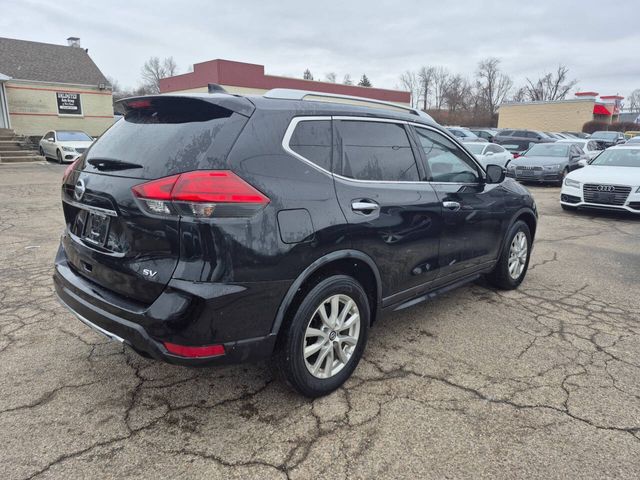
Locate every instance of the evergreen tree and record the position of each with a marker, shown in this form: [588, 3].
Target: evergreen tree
[364, 81]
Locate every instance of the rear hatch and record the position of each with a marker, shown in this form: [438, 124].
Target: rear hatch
[110, 239]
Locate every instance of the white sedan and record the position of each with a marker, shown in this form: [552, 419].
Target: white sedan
[589, 147]
[64, 145]
[489, 153]
[611, 181]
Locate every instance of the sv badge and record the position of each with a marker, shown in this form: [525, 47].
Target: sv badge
[149, 273]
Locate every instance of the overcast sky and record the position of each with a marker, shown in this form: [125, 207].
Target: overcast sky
[596, 40]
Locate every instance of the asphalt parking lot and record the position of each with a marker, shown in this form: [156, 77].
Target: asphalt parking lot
[542, 382]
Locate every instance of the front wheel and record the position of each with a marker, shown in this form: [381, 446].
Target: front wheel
[513, 263]
[326, 337]
[59, 156]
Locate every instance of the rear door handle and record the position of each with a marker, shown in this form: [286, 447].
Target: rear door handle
[453, 206]
[364, 206]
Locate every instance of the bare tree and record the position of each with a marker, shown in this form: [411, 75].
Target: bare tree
[492, 85]
[307, 75]
[347, 80]
[551, 86]
[426, 78]
[441, 78]
[154, 69]
[634, 101]
[330, 77]
[520, 95]
[410, 82]
[457, 93]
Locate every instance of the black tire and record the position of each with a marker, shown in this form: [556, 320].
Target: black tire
[289, 357]
[59, 156]
[500, 276]
[42, 154]
[568, 208]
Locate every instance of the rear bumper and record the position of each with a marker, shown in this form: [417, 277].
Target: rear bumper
[176, 316]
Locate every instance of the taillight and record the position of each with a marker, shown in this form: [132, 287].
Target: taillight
[69, 169]
[201, 193]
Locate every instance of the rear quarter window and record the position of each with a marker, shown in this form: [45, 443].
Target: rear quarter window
[311, 139]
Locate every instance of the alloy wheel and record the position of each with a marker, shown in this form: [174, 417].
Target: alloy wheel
[518, 255]
[331, 336]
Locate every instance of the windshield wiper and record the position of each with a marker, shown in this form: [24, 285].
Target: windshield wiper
[105, 164]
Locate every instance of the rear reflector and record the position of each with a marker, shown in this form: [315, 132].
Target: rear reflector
[194, 352]
[201, 193]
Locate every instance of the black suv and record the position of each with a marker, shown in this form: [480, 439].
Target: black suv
[520, 140]
[211, 228]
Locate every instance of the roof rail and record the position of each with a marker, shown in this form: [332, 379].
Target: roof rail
[292, 94]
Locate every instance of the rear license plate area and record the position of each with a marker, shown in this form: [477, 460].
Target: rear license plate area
[96, 228]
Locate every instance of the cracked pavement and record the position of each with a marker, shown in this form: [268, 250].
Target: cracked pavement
[541, 382]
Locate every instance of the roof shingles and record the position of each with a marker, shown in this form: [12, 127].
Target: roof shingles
[44, 62]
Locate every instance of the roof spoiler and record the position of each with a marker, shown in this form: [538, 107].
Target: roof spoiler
[233, 103]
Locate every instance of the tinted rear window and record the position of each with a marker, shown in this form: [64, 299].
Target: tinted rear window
[312, 140]
[168, 136]
[376, 151]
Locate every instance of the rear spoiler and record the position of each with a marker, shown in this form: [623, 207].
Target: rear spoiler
[233, 103]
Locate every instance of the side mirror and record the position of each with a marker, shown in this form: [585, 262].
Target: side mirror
[583, 163]
[539, 137]
[495, 174]
[488, 154]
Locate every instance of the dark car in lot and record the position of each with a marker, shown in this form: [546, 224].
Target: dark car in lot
[608, 139]
[521, 140]
[212, 228]
[547, 162]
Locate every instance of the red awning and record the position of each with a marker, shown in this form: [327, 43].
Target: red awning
[600, 110]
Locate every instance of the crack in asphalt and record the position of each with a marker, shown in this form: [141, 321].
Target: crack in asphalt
[571, 362]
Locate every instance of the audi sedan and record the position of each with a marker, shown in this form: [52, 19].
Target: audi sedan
[547, 163]
[611, 181]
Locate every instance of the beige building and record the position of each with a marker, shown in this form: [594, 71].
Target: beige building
[52, 87]
[561, 115]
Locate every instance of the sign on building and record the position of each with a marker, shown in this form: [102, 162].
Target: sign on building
[69, 103]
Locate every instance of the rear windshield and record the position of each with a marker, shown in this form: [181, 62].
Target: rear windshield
[72, 136]
[165, 136]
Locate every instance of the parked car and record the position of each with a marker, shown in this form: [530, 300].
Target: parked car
[608, 139]
[610, 181]
[522, 138]
[578, 134]
[546, 162]
[487, 133]
[590, 147]
[214, 228]
[633, 141]
[555, 135]
[465, 135]
[489, 153]
[64, 145]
